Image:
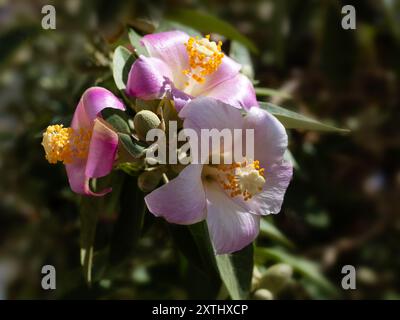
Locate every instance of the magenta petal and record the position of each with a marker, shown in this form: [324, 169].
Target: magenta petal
[237, 91]
[277, 179]
[182, 200]
[92, 102]
[79, 182]
[269, 134]
[149, 78]
[102, 150]
[231, 227]
[170, 48]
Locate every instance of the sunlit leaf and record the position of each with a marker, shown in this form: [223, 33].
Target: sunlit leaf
[135, 39]
[236, 271]
[241, 54]
[272, 93]
[267, 229]
[121, 64]
[209, 23]
[294, 120]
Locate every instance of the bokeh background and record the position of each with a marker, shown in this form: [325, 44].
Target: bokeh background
[343, 206]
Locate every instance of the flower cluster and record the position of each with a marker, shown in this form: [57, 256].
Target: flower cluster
[206, 90]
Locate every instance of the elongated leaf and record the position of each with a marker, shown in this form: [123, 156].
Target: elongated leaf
[267, 229]
[209, 23]
[167, 25]
[88, 219]
[271, 93]
[128, 227]
[236, 271]
[135, 39]
[118, 119]
[294, 120]
[122, 62]
[302, 266]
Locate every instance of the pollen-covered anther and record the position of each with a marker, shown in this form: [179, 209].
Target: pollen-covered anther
[65, 144]
[205, 57]
[245, 178]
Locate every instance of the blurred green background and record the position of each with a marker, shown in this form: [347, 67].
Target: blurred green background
[342, 207]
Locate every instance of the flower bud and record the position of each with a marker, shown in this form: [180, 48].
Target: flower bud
[263, 294]
[149, 180]
[144, 121]
[276, 277]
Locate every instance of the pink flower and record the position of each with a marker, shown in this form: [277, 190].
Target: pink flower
[182, 67]
[230, 197]
[89, 146]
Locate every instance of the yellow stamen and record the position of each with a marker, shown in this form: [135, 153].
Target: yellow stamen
[246, 179]
[205, 57]
[65, 144]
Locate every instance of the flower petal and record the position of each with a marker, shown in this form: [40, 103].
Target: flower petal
[149, 78]
[170, 48]
[226, 71]
[182, 200]
[205, 113]
[79, 182]
[231, 228]
[102, 150]
[269, 134]
[209, 113]
[237, 91]
[92, 102]
[277, 179]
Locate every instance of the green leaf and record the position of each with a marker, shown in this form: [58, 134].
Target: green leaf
[272, 93]
[236, 271]
[209, 23]
[129, 225]
[302, 266]
[168, 25]
[267, 229]
[133, 147]
[121, 64]
[294, 120]
[241, 54]
[118, 119]
[89, 208]
[135, 39]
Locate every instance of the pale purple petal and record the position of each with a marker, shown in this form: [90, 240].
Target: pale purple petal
[231, 227]
[226, 71]
[102, 150]
[237, 91]
[269, 135]
[208, 113]
[169, 47]
[182, 200]
[92, 102]
[277, 179]
[149, 78]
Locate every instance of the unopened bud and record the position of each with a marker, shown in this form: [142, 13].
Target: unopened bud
[149, 180]
[276, 277]
[144, 121]
[263, 294]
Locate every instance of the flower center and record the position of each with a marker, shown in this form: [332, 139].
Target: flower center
[245, 178]
[205, 57]
[65, 144]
